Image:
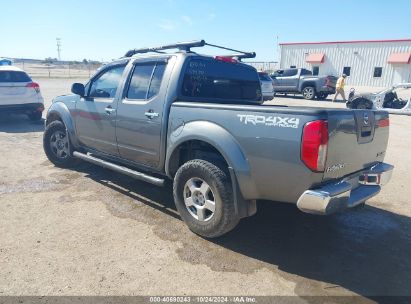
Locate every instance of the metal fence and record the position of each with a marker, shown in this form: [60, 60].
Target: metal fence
[45, 70]
[82, 70]
[264, 66]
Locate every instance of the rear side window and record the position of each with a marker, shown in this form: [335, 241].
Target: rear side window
[306, 72]
[214, 79]
[289, 73]
[14, 76]
[146, 80]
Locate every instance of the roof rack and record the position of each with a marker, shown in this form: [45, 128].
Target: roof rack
[186, 47]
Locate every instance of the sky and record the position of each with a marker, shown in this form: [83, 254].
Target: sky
[105, 30]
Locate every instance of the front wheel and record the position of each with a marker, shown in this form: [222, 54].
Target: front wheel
[309, 93]
[56, 145]
[204, 199]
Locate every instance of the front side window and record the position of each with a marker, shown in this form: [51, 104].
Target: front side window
[146, 80]
[316, 70]
[215, 79]
[106, 84]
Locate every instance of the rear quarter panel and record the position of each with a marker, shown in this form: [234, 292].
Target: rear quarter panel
[269, 140]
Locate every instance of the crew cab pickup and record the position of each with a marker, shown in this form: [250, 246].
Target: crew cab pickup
[302, 81]
[199, 121]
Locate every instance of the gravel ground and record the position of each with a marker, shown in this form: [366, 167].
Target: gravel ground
[95, 232]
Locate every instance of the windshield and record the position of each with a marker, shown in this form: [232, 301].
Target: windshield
[264, 77]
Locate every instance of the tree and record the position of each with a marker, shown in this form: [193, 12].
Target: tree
[50, 60]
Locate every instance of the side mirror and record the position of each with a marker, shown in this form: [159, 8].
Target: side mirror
[78, 89]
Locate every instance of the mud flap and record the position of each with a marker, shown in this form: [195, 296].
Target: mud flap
[243, 208]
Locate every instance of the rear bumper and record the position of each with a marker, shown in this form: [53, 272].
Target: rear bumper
[22, 108]
[268, 94]
[346, 193]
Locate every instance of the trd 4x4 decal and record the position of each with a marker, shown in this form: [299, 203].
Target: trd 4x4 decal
[274, 121]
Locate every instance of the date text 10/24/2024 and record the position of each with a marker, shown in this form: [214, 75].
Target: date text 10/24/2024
[203, 299]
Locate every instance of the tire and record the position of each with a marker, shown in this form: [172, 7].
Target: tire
[361, 104]
[199, 187]
[35, 116]
[309, 93]
[57, 147]
[322, 96]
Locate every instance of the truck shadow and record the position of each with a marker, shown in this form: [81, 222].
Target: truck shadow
[14, 123]
[366, 250]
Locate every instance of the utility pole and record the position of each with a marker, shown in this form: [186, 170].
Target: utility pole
[58, 41]
[278, 52]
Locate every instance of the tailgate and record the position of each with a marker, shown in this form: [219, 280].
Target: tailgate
[331, 81]
[357, 140]
[16, 93]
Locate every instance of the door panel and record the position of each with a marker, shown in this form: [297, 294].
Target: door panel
[290, 79]
[96, 113]
[140, 113]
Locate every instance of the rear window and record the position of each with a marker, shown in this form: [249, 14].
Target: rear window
[14, 76]
[214, 79]
[264, 77]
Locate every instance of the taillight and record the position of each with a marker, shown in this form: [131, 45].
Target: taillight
[384, 123]
[226, 59]
[314, 145]
[33, 85]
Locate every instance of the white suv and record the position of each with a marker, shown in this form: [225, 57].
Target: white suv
[19, 94]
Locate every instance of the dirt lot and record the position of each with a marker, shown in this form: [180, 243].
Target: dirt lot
[95, 232]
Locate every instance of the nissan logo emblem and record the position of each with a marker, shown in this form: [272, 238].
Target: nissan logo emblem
[366, 119]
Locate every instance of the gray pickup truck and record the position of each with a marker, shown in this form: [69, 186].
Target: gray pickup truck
[199, 121]
[303, 82]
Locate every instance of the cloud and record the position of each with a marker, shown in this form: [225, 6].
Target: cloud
[167, 25]
[187, 19]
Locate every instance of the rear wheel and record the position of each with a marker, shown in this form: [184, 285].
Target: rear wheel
[203, 196]
[309, 93]
[322, 96]
[56, 145]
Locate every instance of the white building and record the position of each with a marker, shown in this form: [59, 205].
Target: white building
[378, 63]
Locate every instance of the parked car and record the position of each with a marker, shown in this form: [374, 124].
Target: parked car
[395, 100]
[303, 82]
[19, 93]
[267, 88]
[198, 121]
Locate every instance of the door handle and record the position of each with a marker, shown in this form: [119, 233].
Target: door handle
[109, 110]
[151, 114]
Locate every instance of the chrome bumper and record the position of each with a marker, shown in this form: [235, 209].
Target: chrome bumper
[346, 193]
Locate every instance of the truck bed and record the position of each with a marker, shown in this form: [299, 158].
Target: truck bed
[270, 137]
